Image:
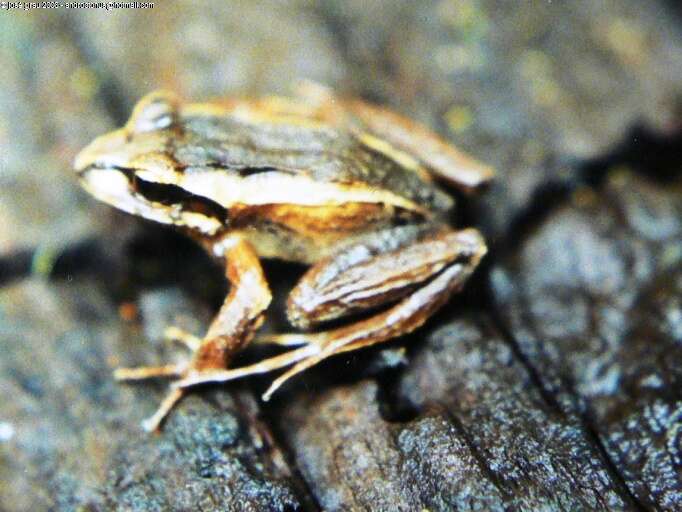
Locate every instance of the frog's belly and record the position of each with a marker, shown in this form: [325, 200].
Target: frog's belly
[308, 233]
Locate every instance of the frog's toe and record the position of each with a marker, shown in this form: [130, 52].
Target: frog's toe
[149, 372]
[173, 333]
[286, 340]
[153, 423]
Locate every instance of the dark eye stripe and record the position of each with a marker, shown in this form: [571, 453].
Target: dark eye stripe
[171, 195]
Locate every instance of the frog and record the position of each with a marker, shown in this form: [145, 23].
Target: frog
[352, 190]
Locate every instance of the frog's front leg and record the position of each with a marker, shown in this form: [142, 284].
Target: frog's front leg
[232, 328]
[418, 270]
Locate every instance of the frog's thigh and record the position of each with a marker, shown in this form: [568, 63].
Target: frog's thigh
[384, 269]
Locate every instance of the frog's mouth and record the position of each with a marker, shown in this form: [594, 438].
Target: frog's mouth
[164, 203]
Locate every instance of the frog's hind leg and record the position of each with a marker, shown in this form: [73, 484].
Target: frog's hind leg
[381, 270]
[231, 330]
[436, 264]
[403, 318]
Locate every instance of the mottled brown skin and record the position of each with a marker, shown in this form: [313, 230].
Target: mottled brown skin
[341, 185]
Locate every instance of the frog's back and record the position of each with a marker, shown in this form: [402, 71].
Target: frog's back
[305, 148]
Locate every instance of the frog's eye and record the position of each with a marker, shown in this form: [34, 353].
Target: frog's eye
[156, 111]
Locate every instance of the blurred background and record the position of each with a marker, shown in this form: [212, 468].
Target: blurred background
[553, 383]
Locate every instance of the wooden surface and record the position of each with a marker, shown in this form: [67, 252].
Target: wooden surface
[553, 383]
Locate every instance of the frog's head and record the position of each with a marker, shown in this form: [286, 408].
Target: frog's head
[130, 168]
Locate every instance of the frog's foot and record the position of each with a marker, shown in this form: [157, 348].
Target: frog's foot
[196, 370]
[440, 263]
[208, 355]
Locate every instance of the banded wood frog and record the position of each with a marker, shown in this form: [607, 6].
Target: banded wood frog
[343, 186]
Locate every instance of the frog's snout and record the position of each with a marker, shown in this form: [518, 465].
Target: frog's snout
[106, 151]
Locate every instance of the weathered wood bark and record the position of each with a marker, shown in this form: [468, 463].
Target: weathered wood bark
[552, 384]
